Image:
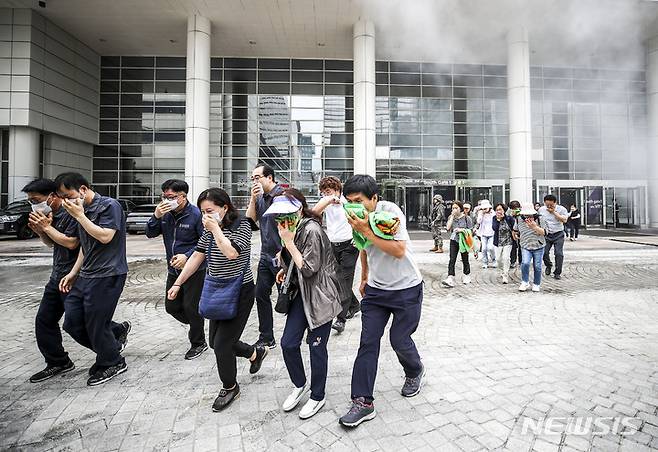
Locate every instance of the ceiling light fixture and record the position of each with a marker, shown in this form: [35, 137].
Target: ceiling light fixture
[321, 44]
[173, 41]
[253, 43]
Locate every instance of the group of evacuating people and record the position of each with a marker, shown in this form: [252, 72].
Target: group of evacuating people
[504, 235]
[310, 254]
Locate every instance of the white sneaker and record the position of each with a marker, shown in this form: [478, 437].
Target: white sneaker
[466, 279]
[535, 288]
[485, 266]
[524, 286]
[505, 279]
[311, 408]
[293, 399]
[449, 281]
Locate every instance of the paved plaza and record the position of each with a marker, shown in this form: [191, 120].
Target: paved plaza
[502, 365]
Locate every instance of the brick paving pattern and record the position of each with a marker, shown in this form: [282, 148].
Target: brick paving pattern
[586, 346]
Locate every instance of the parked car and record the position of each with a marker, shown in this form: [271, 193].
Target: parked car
[13, 220]
[127, 205]
[138, 217]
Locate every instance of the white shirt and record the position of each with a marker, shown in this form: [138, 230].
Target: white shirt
[338, 229]
[387, 272]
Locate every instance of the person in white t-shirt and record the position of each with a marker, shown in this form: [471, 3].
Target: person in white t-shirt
[339, 232]
[391, 284]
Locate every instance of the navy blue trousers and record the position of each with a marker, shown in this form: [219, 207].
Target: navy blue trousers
[89, 310]
[46, 324]
[264, 283]
[376, 308]
[291, 343]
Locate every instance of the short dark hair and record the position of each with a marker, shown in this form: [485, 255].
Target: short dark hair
[220, 198]
[330, 182]
[501, 204]
[41, 186]
[361, 183]
[459, 204]
[550, 197]
[267, 169]
[294, 194]
[71, 181]
[514, 205]
[175, 185]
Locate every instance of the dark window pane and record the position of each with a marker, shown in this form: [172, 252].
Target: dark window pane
[136, 99]
[274, 88]
[338, 77]
[436, 68]
[108, 138]
[109, 112]
[101, 177]
[239, 88]
[338, 89]
[109, 99]
[137, 74]
[170, 87]
[474, 69]
[273, 63]
[381, 78]
[338, 65]
[216, 75]
[170, 137]
[106, 125]
[136, 87]
[239, 75]
[273, 76]
[136, 138]
[495, 70]
[239, 63]
[105, 151]
[110, 73]
[381, 66]
[216, 63]
[111, 61]
[136, 61]
[134, 126]
[405, 79]
[307, 76]
[437, 91]
[315, 65]
[405, 91]
[170, 74]
[170, 62]
[404, 67]
[307, 88]
[168, 109]
[108, 86]
[437, 79]
[135, 112]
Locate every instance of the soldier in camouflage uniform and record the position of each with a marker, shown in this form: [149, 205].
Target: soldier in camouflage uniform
[437, 221]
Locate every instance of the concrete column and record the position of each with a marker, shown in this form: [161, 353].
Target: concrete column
[652, 152]
[197, 106]
[518, 99]
[364, 97]
[24, 158]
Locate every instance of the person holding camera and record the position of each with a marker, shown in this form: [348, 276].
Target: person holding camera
[530, 231]
[312, 296]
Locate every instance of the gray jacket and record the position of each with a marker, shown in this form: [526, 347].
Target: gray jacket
[317, 278]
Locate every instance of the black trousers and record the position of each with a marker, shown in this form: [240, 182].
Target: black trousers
[264, 282]
[573, 227]
[89, 309]
[46, 324]
[185, 308]
[225, 338]
[346, 255]
[554, 240]
[515, 253]
[454, 251]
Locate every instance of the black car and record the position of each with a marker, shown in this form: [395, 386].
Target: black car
[13, 220]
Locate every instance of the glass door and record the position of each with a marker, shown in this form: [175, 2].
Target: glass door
[418, 206]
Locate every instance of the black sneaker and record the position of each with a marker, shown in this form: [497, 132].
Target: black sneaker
[360, 412]
[352, 311]
[196, 351]
[108, 373]
[412, 386]
[225, 397]
[50, 371]
[93, 369]
[261, 353]
[548, 270]
[512, 265]
[123, 337]
[339, 326]
[556, 276]
[265, 343]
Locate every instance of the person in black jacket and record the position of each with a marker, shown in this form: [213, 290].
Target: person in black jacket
[179, 223]
[503, 225]
[573, 223]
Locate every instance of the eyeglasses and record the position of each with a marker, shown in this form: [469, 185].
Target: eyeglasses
[170, 197]
[256, 178]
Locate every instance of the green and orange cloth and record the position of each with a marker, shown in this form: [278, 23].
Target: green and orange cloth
[384, 224]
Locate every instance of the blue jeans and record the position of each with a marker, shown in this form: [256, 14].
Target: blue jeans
[534, 256]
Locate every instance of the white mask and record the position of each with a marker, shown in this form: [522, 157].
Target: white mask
[42, 207]
[217, 217]
[173, 203]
